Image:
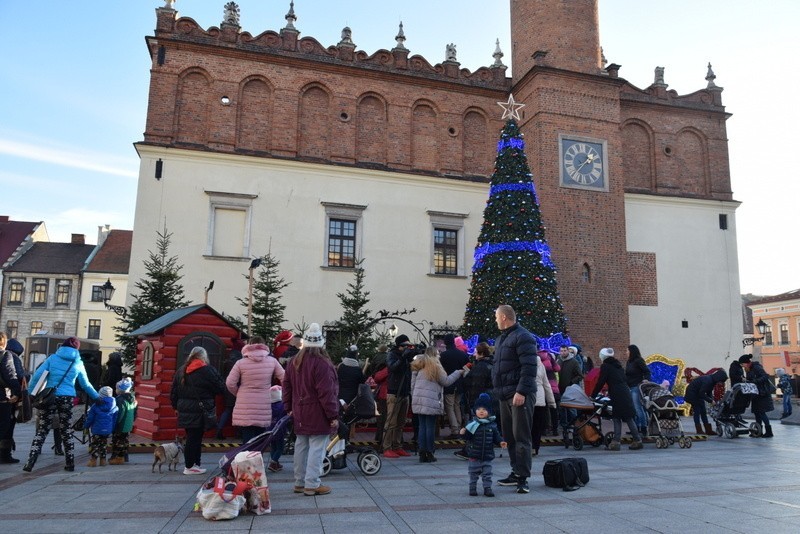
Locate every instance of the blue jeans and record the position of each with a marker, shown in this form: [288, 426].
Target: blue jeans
[309, 451]
[277, 449]
[641, 416]
[427, 428]
[787, 404]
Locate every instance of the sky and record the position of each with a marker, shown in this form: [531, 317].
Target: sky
[74, 82]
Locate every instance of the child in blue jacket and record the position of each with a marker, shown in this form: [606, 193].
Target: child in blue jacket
[481, 435]
[100, 420]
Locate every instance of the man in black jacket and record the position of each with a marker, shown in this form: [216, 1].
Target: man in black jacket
[452, 360]
[514, 381]
[10, 383]
[399, 389]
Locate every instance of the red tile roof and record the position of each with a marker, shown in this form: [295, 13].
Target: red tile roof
[12, 234]
[114, 255]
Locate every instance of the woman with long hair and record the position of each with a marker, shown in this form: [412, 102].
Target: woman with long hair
[194, 388]
[64, 368]
[636, 372]
[311, 394]
[428, 380]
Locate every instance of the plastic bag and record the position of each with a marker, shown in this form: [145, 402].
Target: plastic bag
[248, 467]
[220, 499]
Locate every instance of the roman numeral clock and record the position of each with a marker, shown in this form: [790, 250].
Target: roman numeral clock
[583, 162]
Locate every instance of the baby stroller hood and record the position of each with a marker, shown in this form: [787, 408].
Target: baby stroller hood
[575, 397]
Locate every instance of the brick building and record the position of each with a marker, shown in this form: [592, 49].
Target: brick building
[325, 154]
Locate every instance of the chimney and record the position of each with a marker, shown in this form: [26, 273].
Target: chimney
[102, 234]
[78, 239]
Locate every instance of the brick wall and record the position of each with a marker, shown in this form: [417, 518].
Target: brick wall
[642, 279]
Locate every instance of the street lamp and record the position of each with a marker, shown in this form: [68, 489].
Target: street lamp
[762, 328]
[108, 292]
[255, 264]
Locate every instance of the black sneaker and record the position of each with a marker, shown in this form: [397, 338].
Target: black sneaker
[510, 480]
[473, 492]
[461, 454]
[487, 492]
[522, 486]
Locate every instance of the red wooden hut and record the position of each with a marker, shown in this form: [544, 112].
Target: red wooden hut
[163, 345]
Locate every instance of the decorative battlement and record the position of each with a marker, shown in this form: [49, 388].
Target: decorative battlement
[287, 43]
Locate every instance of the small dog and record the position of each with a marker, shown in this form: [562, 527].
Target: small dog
[169, 453]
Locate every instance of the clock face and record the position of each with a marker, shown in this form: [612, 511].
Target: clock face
[583, 163]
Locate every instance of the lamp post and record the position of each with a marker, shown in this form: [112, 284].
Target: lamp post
[253, 266]
[762, 328]
[209, 288]
[108, 292]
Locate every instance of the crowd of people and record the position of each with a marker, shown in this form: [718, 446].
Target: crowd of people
[507, 395]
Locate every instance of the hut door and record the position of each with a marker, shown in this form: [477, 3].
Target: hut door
[214, 346]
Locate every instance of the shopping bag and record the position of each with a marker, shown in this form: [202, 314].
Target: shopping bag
[219, 499]
[248, 467]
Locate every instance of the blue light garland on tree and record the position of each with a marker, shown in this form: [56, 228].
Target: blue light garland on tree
[513, 263]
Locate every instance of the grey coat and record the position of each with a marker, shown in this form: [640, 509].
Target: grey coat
[426, 395]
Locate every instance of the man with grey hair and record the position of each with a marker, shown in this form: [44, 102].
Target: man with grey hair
[514, 381]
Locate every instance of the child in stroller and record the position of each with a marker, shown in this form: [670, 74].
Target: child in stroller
[727, 413]
[369, 461]
[587, 427]
[663, 416]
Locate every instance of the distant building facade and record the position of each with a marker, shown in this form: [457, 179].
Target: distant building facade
[781, 344]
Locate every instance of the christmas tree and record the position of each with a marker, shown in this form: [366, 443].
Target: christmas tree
[512, 259]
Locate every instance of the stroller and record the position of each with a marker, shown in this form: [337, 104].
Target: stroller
[727, 413]
[663, 416]
[587, 427]
[361, 408]
[259, 443]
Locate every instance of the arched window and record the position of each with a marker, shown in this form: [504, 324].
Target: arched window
[214, 346]
[586, 275]
[147, 361]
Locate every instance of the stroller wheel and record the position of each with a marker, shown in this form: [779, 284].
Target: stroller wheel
[326, 466]
[728, 431]
[687, 442]
[577, 443]
[755, 430]
[608, 438]
[369, 463]
[719, 430]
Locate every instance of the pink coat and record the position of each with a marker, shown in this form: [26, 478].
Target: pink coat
[250, 380]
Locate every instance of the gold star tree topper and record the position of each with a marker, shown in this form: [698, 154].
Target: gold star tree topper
[511, 108]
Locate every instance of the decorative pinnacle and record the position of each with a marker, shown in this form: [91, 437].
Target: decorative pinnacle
[400, 38]
[710, 77]
[498, 55]
[290, 17]
[168, 4]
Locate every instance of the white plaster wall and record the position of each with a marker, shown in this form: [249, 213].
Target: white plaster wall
[289, 219]
[698, 279]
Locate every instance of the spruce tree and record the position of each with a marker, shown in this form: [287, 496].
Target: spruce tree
[267, 307]
[512, 258]
[159, 292]
[355, 324]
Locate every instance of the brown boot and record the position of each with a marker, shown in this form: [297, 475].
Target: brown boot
[117, 460]
[92, 462]
[102, 462]
[698, 429]
[709, 430]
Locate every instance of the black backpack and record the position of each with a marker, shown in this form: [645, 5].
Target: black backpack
[566, 473]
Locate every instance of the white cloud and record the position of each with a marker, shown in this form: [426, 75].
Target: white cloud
[66, 157]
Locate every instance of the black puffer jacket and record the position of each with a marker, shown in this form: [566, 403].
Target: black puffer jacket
[8, 373]
[202, 384]
[736, 373]
[399, 363]
[452, 360]
[514, 369]
[636, 371]
[611, 373]
[758, 376]
[480, 445]
[478, 380]
[701, 388]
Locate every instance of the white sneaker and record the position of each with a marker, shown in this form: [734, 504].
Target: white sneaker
[194, 470]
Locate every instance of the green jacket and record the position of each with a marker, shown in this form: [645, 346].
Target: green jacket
[126, 403]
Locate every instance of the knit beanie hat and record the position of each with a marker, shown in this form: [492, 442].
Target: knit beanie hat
[574, 350]
[607, 352]
[399, 340]
[745, 358]
[124, 385]
[780, 371]
[105, 391]
[483, 401]
[72, 342]
[313, 336]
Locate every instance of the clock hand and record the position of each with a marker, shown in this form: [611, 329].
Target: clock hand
[588, 159]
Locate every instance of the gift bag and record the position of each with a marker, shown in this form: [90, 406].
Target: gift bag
[220, 499]
[248, 467]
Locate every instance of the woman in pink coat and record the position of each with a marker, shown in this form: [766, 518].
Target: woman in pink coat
[250, 381]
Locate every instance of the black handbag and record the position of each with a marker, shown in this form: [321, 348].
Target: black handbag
[209, 417]
[47, 397]
[568, 474]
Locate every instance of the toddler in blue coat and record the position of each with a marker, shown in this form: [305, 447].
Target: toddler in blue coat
[481, 435]
[100, 420]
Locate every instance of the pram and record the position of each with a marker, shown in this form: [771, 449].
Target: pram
[663, 416]
[361, 408]
[259, 443]
[727, 413]
[588, 426]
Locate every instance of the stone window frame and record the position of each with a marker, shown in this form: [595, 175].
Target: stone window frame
[62, 283]
[346, 212]
[94, 329]
[40, 288]
[444, 220]
[16, 288]
[230, 201]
